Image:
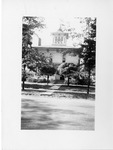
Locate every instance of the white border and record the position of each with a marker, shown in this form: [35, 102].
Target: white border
[17, 139]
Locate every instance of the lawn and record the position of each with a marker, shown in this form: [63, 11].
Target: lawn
[62, 91]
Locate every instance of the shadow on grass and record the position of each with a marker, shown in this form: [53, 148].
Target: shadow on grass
[37, 86]
[77, 88]
[34, 90]
[80, 88]
[74, 95]
[73, 91]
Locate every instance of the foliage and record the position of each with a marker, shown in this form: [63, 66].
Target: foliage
[86, 48]
[36, 60]
[68, 70]
[48, 70]
[89, 49]
[73, 52]
[78, 29]
[89, 46]
[30, 55]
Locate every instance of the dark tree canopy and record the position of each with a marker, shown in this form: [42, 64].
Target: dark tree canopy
[89, 47]
[48, 70]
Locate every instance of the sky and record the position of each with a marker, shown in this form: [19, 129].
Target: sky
[52, 25]
[54, 12]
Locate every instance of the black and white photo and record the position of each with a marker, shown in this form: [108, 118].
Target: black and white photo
[58, 73]
[57, 76]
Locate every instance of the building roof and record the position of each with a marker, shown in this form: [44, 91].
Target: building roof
[59, 32]
[59, 47]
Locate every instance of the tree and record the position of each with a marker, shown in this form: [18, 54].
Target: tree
[89, 49]
[68, 70]
[48, 71]
[87, 39]
[30, 57]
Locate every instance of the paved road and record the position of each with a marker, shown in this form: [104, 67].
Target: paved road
[57, 114]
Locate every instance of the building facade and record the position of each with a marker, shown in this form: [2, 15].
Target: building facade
[57, 50]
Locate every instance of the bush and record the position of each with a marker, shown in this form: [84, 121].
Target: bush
[32, 80]
[79, 80]
[42, 81]
[84, 81]
[71, 81]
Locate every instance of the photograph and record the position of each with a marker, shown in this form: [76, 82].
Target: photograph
[58, 73]
[57, 76]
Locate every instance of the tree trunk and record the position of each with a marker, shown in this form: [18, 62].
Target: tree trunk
[89, 73]
[68, 81]
[23, 85]
[47, 79]
[23, 78]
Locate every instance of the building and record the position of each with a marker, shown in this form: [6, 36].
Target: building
[56, 51]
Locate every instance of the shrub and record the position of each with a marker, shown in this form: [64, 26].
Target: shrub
[32, 80]
[42, 81]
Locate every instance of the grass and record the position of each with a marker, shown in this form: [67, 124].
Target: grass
[71, 92]
[73, 95]
[37, 86]
[79, 88]
[62, 87]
